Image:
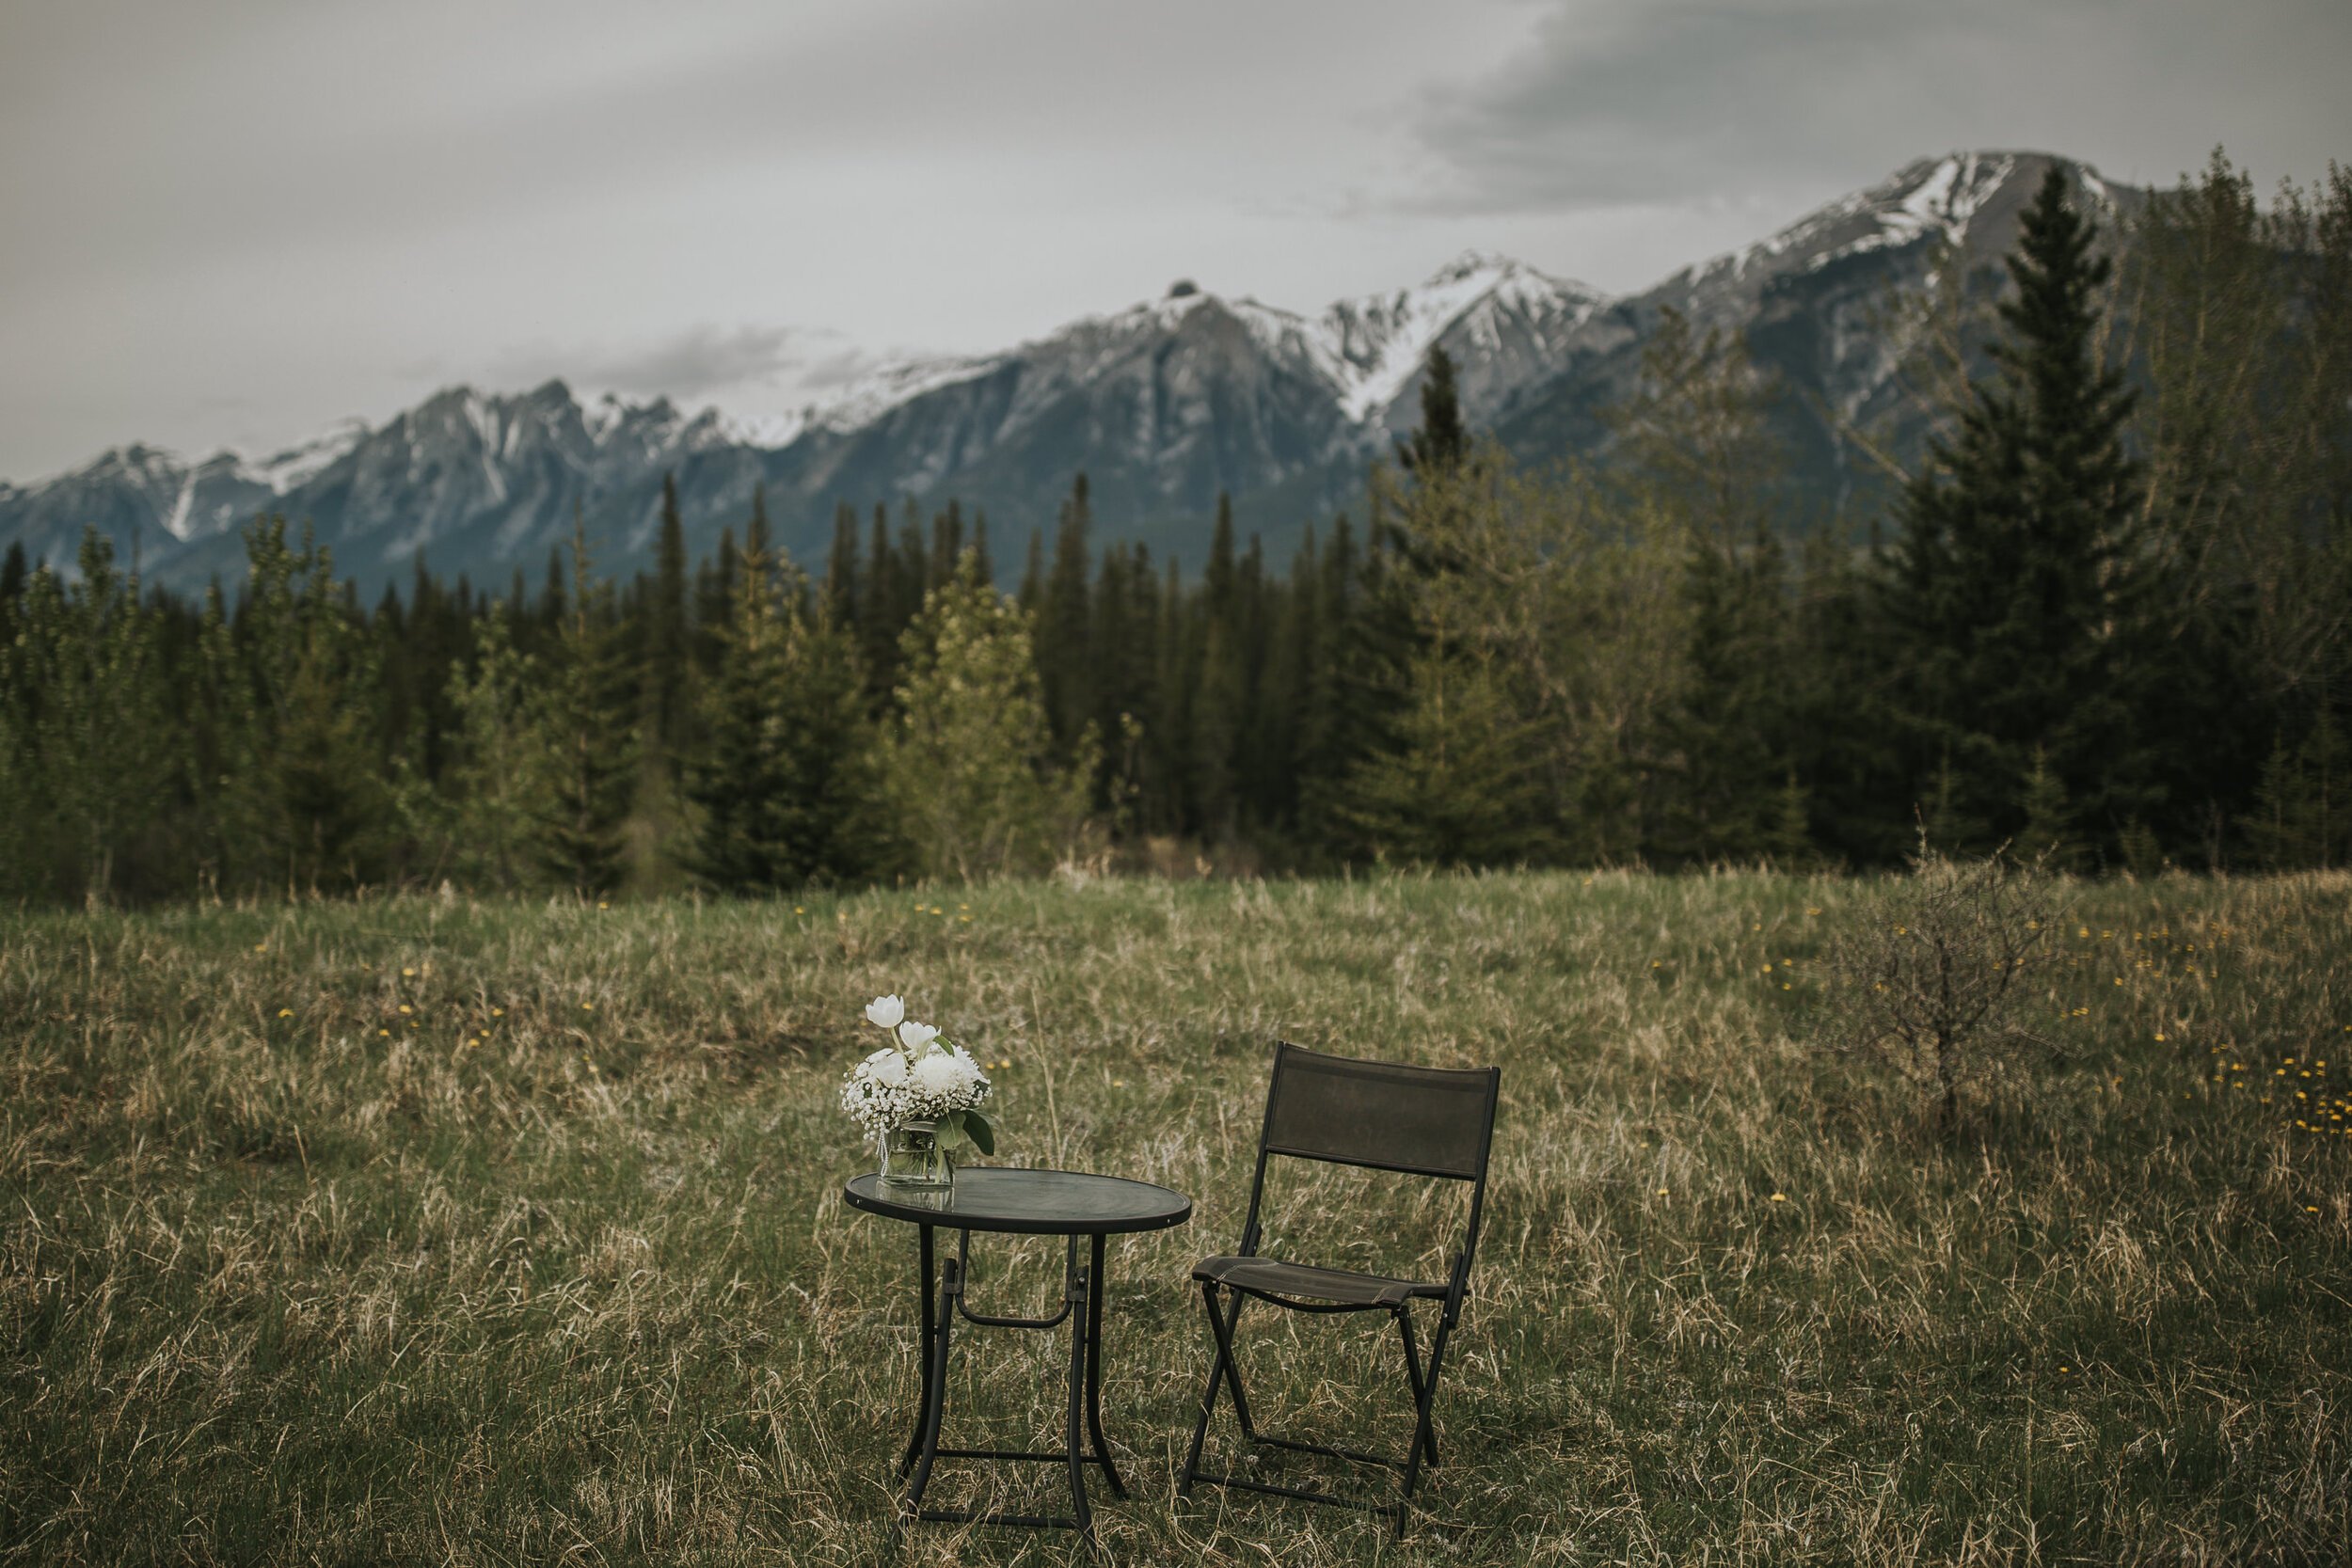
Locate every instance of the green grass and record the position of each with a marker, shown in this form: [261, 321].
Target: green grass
[553, 1265]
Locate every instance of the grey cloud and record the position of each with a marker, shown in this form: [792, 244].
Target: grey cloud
[697, 363]
[1629, 101]
[838, 369]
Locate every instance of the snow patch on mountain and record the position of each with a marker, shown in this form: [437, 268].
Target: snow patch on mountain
[898, 380]
[305, 460]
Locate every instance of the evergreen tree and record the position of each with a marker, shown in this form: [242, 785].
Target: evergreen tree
[2014, 589]
[757, 543]
[497, 771]
[879, 623]
[979, 547]
[946, 541]
[303, 801]
[667, 648]
[786, 782]
[1065, 655]
[1461, 788]
[13, 575]
[1125, 636]
[1442, 440]
[2048, 837]
[1720, 801]
[588, 745]
[842, 601]
[84, 749]
[1790, 841]
[971, 767]
[1219, 693]
[2302, 815]
[1032, 596]
[551, 605]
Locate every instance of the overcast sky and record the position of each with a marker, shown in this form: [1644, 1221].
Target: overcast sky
[232, 222]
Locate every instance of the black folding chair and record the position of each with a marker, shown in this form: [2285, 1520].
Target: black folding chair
[1380, 1115]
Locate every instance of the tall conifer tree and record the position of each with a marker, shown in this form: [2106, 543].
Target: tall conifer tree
[587, 740]
[2015, 588]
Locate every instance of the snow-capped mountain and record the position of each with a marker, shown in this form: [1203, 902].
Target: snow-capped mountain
[1811, 302]
[1164, 405]
[1503, 324]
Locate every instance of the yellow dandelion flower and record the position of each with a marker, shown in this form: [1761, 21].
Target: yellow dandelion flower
[498, 1012]
[407, 973]
[1780, 1197]
[261, 948]
[285, 1012]
[407, 1008]
[587, 1007]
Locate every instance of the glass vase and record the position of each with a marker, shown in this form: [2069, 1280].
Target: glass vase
[912, 1162]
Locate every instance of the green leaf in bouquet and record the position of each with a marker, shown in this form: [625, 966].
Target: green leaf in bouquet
[950, 1133]
[978, 1128]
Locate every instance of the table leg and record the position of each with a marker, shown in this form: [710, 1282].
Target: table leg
[922, 1405]
[934, 1394]
[1081, 1370]
[1093, 1331]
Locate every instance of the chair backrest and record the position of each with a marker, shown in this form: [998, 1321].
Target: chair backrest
[1381, 1115]
[1430, 1121]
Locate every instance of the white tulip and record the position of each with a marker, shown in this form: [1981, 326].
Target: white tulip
[885, 1012]
[914, 1035]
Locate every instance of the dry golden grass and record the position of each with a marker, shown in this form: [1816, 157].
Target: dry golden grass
[551, 1265]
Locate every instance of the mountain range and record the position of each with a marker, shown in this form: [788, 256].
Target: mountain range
[1165, 405]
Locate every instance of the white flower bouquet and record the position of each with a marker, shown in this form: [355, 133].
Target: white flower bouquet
[917, 1078]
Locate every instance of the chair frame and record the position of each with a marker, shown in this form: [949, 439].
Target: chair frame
[1225, 1370]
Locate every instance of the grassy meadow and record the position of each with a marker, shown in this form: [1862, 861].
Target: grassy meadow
[427, 1230]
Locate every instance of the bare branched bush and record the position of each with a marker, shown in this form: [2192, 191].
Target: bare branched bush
[1929, 977]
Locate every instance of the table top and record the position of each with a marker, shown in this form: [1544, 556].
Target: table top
[1029, 1202]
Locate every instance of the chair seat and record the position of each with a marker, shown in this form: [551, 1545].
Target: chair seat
[1271, 1277]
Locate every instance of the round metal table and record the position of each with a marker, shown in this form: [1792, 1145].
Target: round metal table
[1069, 1204]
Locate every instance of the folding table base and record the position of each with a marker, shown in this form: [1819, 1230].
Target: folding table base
[1082, 1306]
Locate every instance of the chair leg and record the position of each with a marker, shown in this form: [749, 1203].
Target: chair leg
[1221, 1366]
[1427, 1438]
[1421, 1437]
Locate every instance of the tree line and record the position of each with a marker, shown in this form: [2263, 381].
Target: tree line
[2106, 622]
